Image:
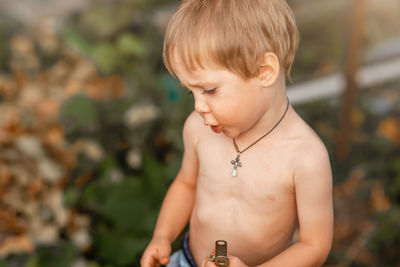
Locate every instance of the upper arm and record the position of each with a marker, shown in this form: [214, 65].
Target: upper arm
[189, 168]
[313, 187]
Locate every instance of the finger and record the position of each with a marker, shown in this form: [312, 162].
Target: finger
[163, 255]
[164, 261]
[235, 261]
[148, 260]
[207, 263]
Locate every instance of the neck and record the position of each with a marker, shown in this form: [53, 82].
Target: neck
[274, 111]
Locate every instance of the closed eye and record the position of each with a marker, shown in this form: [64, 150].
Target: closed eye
[209, 92]
[189, 93]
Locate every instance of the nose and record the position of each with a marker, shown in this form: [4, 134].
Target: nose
[201, 105]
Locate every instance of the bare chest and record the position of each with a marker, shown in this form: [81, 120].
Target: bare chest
[263, 175]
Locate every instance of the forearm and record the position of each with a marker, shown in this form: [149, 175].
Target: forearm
[175, 210]
[298, 255]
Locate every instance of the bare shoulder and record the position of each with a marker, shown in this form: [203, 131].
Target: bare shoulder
[189, 168]
[309, 153]
[192, 128]
[193, 122]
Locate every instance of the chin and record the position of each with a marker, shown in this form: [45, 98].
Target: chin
[229, 134]
[226, 133]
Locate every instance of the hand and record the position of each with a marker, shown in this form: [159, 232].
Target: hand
[233, 262]
[157, 253]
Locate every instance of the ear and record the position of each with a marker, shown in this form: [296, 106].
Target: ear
[269, 69]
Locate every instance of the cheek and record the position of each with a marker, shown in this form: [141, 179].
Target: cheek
[225, 105]
[232, 110]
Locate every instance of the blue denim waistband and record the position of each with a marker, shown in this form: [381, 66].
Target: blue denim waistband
[186, 251]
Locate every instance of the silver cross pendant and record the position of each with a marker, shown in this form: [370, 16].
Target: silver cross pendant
[236, 163]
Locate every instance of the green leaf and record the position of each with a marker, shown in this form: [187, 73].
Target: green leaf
[113, 110]
[131, 45]
[105, 20]
[385, 241]
[155, 176]
[127, 205]
[118, 247]
[106, 57]
[71, 196]
[79, 113]
[61, 256]
[75, 41]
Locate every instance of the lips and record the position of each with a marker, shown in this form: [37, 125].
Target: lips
[216, 128]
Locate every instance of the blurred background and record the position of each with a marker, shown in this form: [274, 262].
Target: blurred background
[90, 126]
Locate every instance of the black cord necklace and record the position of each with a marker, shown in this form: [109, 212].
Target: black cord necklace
[236, 162]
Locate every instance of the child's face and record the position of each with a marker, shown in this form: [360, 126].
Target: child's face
[226, 102]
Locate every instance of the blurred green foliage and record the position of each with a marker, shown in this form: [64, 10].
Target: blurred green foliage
[121, 38]
[62, 255]
[385, 241]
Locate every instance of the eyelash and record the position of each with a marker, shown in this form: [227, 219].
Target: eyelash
[208, 92]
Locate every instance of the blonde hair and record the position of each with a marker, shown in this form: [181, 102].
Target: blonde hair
[234, 34]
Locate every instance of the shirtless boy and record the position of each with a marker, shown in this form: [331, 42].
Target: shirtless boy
[233, 55]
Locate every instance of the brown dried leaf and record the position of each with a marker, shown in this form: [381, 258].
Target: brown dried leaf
[82, 239]
[9, 223]
[50, 170]
[349, 187]
[105, 88]
[5, 177]
[46, 35]
[78, 230]
[92, 149]
[7, 87]
[357, 118]
[83, 179]
[19, 76]
[378, 200]
[54, 200]
[353, 214]
[23, 54]
[327, 130]
[16, 244]
[390, 129]
[9, 115]
[21, 44]
[46, 234]
[47, 110]
[58, 72]
[72, 87]
[83, 70]
[31, 96]
[54, 137]
[35, 188]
